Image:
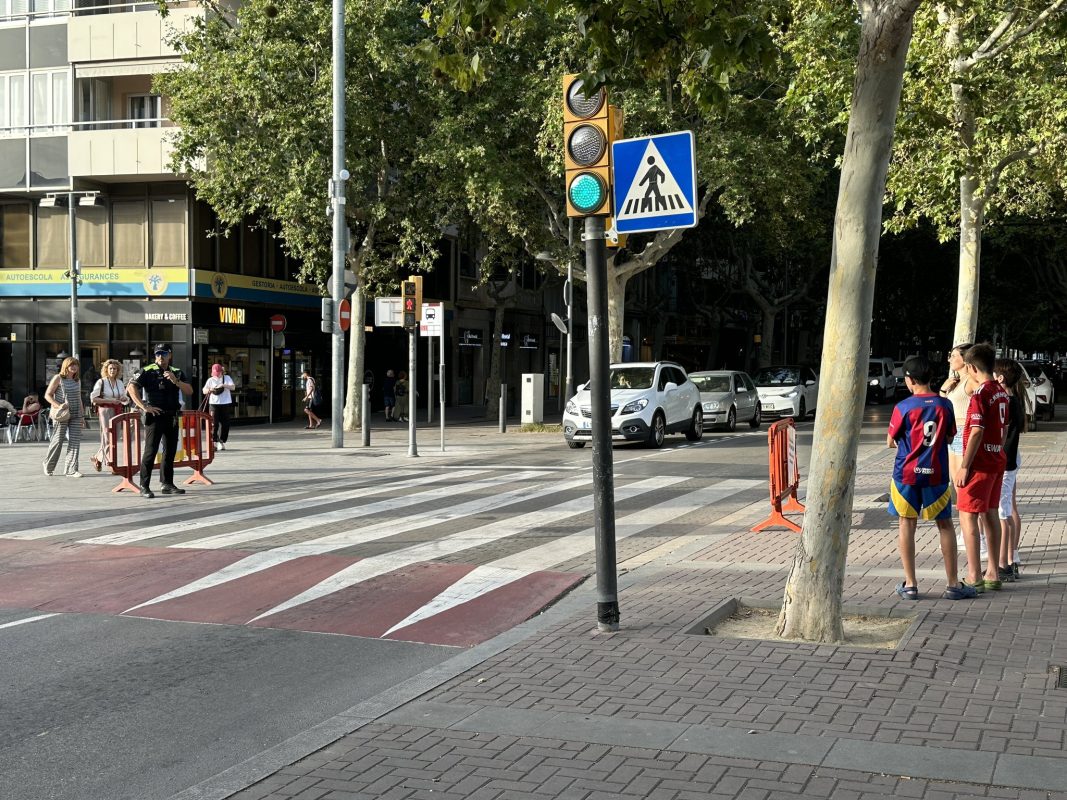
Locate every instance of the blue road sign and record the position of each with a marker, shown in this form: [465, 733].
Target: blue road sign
[655, 182]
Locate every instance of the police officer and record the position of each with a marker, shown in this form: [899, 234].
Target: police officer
[157, 391]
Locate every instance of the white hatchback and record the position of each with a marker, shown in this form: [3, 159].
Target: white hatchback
[787, 391]
[648, 401]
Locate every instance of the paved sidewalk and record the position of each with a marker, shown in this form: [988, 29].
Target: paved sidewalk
[966, 707]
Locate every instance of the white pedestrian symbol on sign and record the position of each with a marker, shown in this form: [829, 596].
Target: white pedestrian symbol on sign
[654, 189]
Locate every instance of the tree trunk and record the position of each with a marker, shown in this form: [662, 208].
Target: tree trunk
[972, 217]
[492, 389]
[353, 416]
[811, 609]
[766, 345]
[616, 312]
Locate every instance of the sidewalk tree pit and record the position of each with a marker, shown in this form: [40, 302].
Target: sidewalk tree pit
[868, 628]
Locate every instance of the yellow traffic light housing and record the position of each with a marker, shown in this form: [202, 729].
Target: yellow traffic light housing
[590, 125]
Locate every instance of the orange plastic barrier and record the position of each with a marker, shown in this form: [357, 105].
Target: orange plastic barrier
[196, 448]
[785, 474]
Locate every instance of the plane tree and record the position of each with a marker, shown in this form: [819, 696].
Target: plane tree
[253, 100]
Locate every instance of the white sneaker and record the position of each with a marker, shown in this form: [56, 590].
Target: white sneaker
[222, 445]
[74, 474]
[46, 471]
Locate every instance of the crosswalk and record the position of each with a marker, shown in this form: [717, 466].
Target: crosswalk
[438, 556]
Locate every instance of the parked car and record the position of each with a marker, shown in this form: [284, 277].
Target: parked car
[1044, 388]
[1029, 399]
[727, 397]
[648, 401]
[881, 383]
[787, 391]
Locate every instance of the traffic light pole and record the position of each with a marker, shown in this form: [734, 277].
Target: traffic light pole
[413, 409]
[337, 200]
[596, 268]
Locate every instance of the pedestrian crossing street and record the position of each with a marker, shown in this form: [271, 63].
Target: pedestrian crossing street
[446, 556]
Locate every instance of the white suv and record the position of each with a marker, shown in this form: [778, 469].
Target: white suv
[648, 401]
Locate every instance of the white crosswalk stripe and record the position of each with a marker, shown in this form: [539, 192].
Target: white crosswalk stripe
[379, 565]
[258, 562]
[144, 514]
[500, 573]
[269, 529]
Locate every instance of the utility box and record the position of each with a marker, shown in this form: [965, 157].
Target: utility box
[533, 398]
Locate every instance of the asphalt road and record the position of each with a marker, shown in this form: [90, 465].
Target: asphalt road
[109, 707]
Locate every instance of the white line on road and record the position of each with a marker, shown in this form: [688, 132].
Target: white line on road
[379, 565]
[26, 620]
[265, 510]
[499, 573]
[257, 562]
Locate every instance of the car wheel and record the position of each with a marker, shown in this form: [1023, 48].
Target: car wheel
[803, 412]
[885, 395]
[696, 427]
[755, 421]
[575, 445]
[657, 431]
[731, 420]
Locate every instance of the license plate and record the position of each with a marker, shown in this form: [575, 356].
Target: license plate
[585, 425]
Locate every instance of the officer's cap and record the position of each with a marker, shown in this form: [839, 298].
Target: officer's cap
[161, 350]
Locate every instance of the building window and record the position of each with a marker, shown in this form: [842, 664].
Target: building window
[14, 8]
[14, 235]
[128, 237]
[52, 238]
[13, 105]
[92, 235]
[168, 233]
[144, 110]
[51, 100]
[41, 7]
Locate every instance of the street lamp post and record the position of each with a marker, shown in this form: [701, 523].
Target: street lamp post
[566, 326]
[87, 198]
[340, 228]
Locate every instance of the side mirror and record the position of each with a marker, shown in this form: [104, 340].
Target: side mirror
[579, 388]
[741, 389]
[809, 383]
[670, 387]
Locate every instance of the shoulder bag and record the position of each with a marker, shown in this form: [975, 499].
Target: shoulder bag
[62, 414]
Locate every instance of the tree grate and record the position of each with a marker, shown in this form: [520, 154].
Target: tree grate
[1060, 672]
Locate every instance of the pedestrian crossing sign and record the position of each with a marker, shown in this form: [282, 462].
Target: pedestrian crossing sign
[655, 182]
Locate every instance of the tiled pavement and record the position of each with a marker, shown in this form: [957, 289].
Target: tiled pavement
[966, 707]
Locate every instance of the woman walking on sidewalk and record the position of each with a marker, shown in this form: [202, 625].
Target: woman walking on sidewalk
[108, 397]
[67, 417]
[311, 399]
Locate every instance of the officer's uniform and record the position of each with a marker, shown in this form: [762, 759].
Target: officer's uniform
[157, 391]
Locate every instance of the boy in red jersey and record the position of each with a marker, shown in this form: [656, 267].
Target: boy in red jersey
[982, 467]
[920, 430]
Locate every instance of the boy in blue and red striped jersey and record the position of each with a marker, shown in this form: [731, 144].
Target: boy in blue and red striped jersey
[920, 429]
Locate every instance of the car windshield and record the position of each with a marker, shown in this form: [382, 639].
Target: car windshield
[632, 377]
[874, 370]
[711, 383]
[777, 376]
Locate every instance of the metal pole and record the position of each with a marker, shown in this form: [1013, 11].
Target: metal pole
[429, 380]
[503, 411]
[71, 222]
[340, 176]
[441, 382]
[270, 386]
[413, 448]
[607, 590]
[570, 333]
[366, 415]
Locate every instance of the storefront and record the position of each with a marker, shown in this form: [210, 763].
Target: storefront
[206, 317]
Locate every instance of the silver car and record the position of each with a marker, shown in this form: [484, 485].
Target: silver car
[728, 397]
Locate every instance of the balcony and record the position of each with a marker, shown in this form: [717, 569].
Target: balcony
[124, 36]
[115, 151]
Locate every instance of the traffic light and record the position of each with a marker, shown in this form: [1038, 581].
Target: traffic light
[590, 125]
[407, 293]
[327, 315]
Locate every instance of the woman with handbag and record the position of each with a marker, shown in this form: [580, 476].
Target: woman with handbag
[67, 417]
[108, 397]
[218, 397]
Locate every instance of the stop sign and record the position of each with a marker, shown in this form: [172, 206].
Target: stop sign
[344, 314]
[277, 323]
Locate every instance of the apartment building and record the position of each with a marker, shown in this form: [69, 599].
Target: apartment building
[84, 140]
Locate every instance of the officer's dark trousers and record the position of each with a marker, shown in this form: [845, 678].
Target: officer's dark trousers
[160, 428]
